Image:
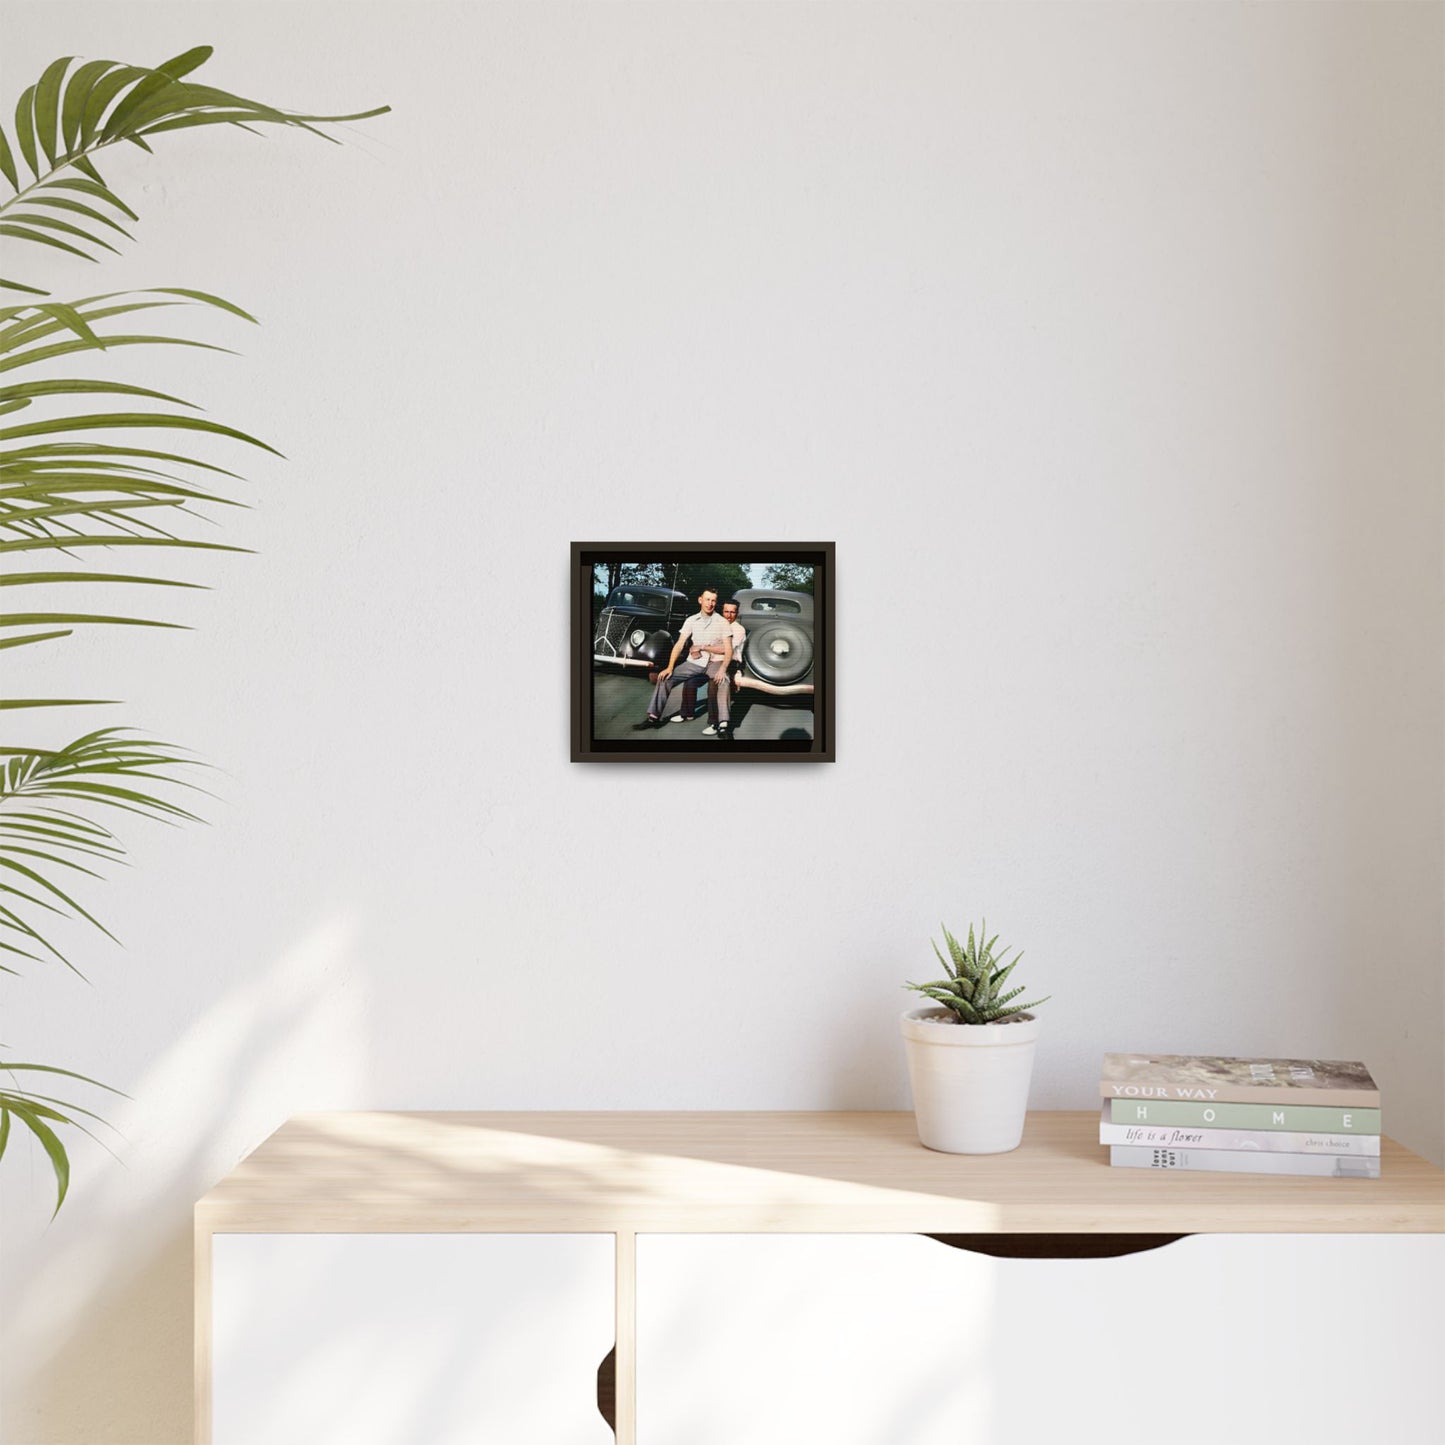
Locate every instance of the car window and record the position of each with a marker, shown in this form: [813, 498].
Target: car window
[647, 601]
[776, 604]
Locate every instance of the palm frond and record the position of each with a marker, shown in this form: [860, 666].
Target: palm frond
[41, 1113]
[64, 491]
[110, 768]
[74, 111]
[73, 482]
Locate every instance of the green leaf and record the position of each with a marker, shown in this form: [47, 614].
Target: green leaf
[78, 208]
[1004, 972]
[47, 108]
[99, 192]
[51, 1108]
[61, 837]
[26, 852]
[67, 542]
[28, 323]
[960, 959]
[67, 348]
[187, 61]
[72, 320]
[39, 481]
[27, 579]
[54, 223]
[11, 704]
[117, 420]
[1025, 1007]
[32, 637]
[938, 996]
[205, 298]
[23, 233]
[114, 510]
[948, 967]
[30, 898]
[53, 889]
[33, 389]
[76, 619]
[50, 1142]
[154, 84]
[102, 93]
[20, 286]
[17, 771]
[206, 117]
[340, 119]
[7, 161]
[128, 800]
[189, 98]
[25, 130]
[76, 91]
[28, 1096]
[22, 770]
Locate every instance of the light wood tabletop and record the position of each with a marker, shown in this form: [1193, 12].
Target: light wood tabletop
[638, 1173]
[751, 1172]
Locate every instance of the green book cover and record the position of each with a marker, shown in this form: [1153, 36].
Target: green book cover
[1313, 1118]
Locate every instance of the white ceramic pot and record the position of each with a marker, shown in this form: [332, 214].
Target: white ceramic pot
[970, 1081]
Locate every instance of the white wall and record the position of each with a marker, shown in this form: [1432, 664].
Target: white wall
[1104, 340]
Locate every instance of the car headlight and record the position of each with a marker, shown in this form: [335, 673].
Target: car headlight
[638, 637]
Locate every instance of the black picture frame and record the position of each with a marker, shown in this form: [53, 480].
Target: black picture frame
[597, 705]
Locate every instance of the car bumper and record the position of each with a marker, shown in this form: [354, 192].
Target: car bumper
[777, 689]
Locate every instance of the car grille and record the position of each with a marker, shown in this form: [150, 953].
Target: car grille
[612, 629]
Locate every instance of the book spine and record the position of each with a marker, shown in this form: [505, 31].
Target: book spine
[1268, 1141]
[1297, 1118]
[1240, 1094]
[1234, 1161]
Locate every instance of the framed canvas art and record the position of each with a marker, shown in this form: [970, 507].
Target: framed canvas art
[703, 652]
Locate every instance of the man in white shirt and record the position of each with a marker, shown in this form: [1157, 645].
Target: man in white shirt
[701, 633]
[720, 689]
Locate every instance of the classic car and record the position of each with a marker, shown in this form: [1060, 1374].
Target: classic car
[778, 652]
[638, 625]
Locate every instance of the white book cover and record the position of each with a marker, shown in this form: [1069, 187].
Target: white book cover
[1234, 1161]
[1263, 1141]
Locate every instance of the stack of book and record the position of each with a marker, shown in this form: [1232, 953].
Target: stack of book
[1243, 1116]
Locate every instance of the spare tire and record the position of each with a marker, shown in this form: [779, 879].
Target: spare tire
[780, 652]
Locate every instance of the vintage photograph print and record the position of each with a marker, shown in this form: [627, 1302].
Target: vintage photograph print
[702, 651]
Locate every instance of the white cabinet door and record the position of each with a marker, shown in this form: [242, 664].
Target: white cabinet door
[397, 1339]
[900, 1340]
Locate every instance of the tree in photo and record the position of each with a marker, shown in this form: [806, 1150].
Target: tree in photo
[789, 576]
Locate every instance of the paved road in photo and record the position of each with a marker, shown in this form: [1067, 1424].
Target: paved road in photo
[619, 701]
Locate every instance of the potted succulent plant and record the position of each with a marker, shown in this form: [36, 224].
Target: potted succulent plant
[971, 1057]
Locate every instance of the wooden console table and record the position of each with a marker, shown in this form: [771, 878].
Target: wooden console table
[630, 1174]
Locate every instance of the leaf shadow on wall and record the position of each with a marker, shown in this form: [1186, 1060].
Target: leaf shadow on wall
[98, 1332]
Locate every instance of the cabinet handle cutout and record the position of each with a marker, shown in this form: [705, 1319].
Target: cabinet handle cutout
[607, 1389]
[1056, 1246]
